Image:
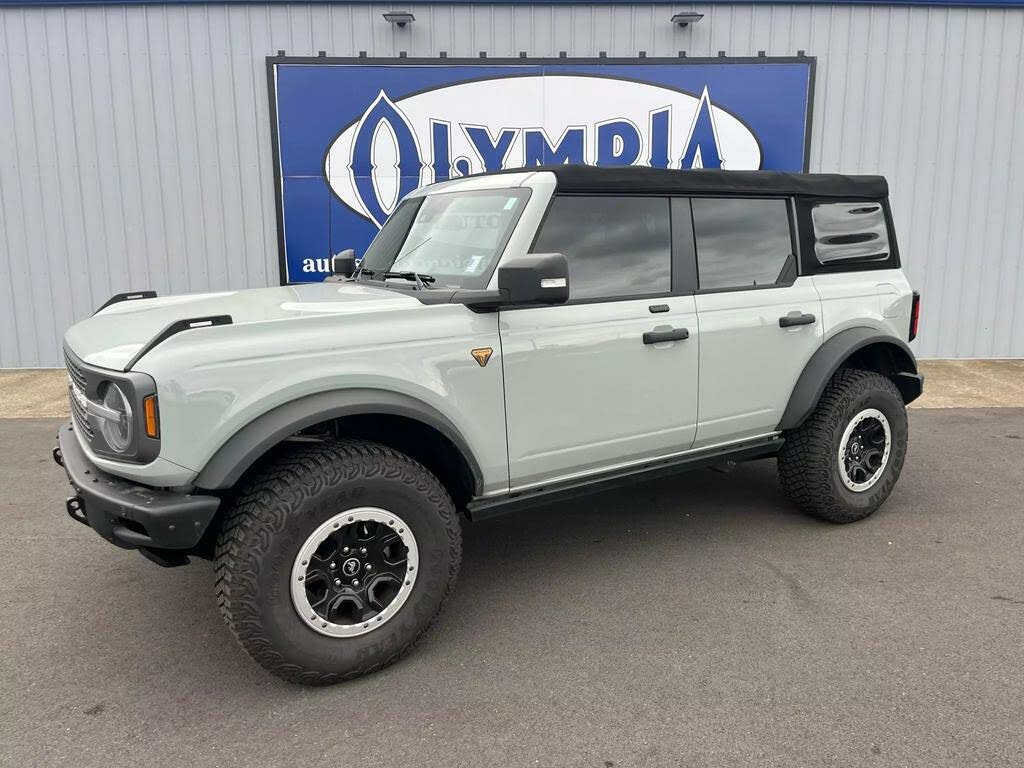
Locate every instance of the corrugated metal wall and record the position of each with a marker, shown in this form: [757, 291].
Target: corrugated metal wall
[135, 140]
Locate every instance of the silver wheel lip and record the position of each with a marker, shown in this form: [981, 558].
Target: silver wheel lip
[349, 517]
[867, 413]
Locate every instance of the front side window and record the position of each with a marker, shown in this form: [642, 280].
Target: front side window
[742, 243]
[615, 246]
[455, 237]
[849, 232]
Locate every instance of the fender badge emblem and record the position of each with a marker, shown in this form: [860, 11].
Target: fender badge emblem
[482, 355]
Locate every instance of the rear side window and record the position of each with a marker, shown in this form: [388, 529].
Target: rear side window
[849, 232]
[615, 246]
[742, 243]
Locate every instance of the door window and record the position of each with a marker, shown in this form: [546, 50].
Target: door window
[742, 243]
[615, 246]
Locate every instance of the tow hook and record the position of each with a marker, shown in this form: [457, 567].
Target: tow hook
[58, 456]
[76, 509]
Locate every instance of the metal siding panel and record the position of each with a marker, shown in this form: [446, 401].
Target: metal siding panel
[227, 159]
[139, 152]
[29, 251]
[970, 194]
[1006, 286]
[15, 343]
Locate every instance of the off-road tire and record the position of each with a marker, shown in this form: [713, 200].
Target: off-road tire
[808, 462]
[287, 499]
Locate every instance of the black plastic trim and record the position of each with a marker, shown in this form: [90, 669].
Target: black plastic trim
[253, 440]
[910, 385]
[482, 508]
[827, 360]
[129, 296]
[129, 514]
[684, 246]
[176, 327]
[477, 300]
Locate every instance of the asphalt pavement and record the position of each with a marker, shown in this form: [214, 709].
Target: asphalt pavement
[695, 621]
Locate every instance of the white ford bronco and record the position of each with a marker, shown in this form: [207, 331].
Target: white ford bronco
[507, 339]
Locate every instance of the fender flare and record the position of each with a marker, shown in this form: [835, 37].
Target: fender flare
[832, 354]
[253, 440]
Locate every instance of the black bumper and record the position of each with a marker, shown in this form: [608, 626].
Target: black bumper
[130, 515]
[910, 385]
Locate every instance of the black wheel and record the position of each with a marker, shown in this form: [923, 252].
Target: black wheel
[842, 463]
[334, 560]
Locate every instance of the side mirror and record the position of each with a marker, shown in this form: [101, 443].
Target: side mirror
[343, 264]
[536, 278]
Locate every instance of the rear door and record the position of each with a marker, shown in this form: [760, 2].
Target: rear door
[760, 322]
[585, 390]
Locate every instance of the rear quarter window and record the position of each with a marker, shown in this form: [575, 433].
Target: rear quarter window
[845, 235]
[849, 232]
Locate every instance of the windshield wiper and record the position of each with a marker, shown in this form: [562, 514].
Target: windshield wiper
[422, 280]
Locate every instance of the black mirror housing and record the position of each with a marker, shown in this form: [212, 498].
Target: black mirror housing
[343, 264]
[536, 278]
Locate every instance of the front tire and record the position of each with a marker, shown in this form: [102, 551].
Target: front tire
[842, 463]
[334, 560]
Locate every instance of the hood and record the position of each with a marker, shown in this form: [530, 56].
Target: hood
[111, 338]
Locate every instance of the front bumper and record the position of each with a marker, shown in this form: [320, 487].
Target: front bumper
[127, 514]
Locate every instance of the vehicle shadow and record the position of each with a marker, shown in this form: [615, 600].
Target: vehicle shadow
[633, 532]
[518, 571]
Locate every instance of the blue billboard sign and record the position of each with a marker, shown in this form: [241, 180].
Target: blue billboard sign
[352, 137]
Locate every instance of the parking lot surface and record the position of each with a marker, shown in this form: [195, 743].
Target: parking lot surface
[692, 621]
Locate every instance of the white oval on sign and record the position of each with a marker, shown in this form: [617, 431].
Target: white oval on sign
[526, 120]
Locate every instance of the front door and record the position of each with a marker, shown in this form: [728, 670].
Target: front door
[610, 378]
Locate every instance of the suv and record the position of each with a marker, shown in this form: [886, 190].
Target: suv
[507, 339]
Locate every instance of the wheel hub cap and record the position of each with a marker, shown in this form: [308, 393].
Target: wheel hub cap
[354, 572]
[864, 450]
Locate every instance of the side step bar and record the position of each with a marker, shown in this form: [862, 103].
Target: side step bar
[482, 508]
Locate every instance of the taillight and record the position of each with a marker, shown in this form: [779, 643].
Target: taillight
[915, 315]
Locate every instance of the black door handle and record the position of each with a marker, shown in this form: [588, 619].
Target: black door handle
[675, 334]
[796, 319]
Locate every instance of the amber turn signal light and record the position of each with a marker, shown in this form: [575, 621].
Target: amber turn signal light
[152, 417]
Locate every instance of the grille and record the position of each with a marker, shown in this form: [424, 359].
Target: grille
[80, 416]
[78, 381]
[76, 374]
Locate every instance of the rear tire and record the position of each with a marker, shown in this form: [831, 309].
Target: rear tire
[841, 464]
[300, 607]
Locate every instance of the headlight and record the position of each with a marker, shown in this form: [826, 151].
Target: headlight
[116, 425]
[115, 412]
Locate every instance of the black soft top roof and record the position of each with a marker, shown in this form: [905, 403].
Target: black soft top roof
[588, 178]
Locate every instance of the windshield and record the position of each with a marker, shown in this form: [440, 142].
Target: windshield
[455, 237]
